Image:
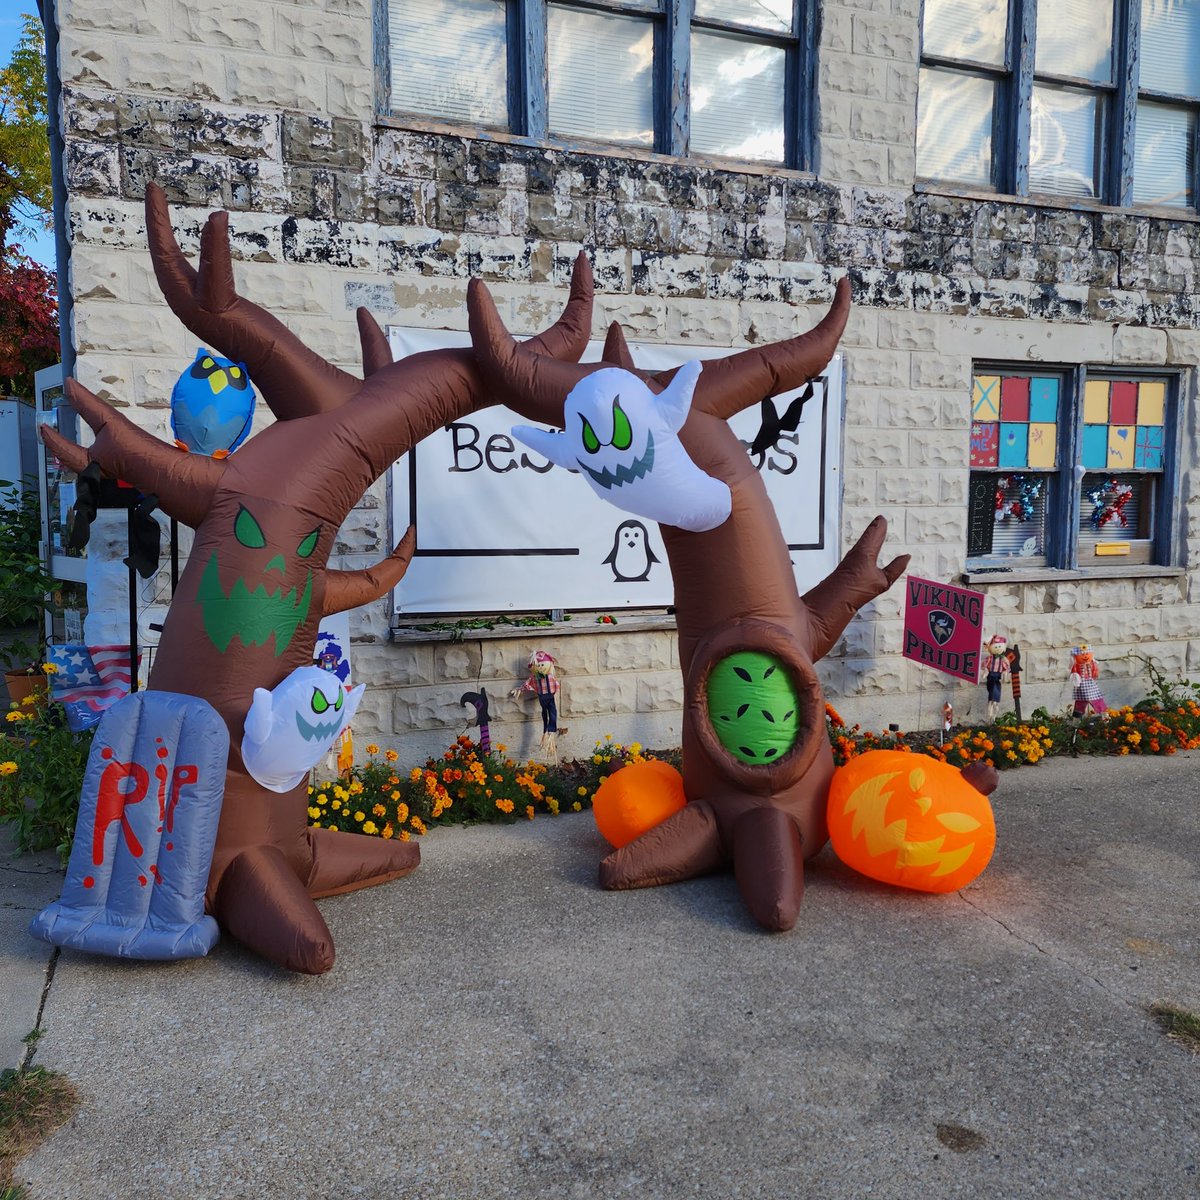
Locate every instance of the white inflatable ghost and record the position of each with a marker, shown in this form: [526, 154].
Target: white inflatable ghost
[624, 440]
[289, 729]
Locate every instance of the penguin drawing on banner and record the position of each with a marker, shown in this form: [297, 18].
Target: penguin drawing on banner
[631, 557]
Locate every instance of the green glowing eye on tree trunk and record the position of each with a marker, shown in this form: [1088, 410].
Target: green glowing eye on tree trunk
[753, 706]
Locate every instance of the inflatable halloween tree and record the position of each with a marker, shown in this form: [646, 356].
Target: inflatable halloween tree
[756, 759]
[248, 605]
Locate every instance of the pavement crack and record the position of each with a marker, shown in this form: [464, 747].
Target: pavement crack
[1058, 958]
[35, 1037]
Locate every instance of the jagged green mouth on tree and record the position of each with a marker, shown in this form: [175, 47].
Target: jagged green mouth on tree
[252, 616]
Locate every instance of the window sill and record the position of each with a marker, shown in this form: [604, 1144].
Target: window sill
[433, 630]
[974, 577]
[484, 133]
[1064, 203]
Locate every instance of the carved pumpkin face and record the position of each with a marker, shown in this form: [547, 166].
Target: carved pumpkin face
[910, 820]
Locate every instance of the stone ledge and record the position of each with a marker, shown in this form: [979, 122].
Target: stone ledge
[1062, 575]
[436, 631]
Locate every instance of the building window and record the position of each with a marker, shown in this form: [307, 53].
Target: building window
[1069, 468]
[1081, 99]
[727, 79]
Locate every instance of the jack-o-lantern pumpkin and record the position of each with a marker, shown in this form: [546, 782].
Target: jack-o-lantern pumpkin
[635, 799]
[911, 821]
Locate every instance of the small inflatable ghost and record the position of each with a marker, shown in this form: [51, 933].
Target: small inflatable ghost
[212, 405]
[290, 729]
[624, 440]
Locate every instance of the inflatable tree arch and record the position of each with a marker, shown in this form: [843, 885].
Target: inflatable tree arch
[256, 585]
[756, 760]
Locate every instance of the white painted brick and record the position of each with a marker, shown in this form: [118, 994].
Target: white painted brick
[881, 368]
[660, 692]
[933, 448]
[133, 329]
[638, 651]
[908, 487]
[1142, 346]
[255, 79]
[902, 408]
[1135, 625]
[850, 161]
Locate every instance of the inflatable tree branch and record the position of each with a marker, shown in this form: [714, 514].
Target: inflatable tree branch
[256, 584]
[756, 761]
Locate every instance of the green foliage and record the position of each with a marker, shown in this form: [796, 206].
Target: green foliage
[23, 583]
[41, 771]
[24, 141]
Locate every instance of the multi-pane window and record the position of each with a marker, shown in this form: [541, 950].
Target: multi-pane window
[712, 78]
[1068, 468]
[1085, 99]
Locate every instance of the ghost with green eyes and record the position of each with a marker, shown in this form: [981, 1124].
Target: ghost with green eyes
[291, 728]
[624, 440]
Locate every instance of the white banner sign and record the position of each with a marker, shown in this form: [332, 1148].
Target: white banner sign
[501, 529]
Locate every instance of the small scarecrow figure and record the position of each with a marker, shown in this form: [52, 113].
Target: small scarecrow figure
[995, 664]
[543, 682]
[1083, 679]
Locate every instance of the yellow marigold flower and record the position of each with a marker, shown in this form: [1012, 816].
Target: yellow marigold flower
[552, 805]
[49, 669]
[635, 747]
[379, 811]
[360, 815]
[8, 768]
[372, 748]
[597, 759]
[390, 755]
[324, 799]
[387, 831]
[581, 791]
[335, 805]
[418, 825]
[370, 827]
[314, 813]
[356, 788]
[311, 790]
[394, 796]
[500, 747]
[415, 774]
[529, 811]
[504, 805]
[577, 806]
[404, 835]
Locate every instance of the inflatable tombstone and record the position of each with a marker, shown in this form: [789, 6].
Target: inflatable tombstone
[144, 839]
[250, 601]
[756, 759]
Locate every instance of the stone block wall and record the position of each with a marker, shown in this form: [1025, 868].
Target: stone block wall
[268, 111]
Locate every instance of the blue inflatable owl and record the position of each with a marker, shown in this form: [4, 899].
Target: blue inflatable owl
[212, 405]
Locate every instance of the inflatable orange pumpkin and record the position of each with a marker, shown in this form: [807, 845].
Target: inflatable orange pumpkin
[635, 799]
[911, 821]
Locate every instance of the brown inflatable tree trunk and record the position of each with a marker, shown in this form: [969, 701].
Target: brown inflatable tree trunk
[256, 585]
[741, 623]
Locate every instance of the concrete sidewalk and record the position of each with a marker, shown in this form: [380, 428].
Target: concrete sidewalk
[496, 1026]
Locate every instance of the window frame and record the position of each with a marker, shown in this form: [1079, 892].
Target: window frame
[528, 85]
[1011, 119]
[1064, 488]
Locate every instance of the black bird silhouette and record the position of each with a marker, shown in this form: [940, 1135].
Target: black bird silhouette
[773, 425]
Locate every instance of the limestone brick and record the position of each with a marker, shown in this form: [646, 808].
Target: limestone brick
[1070, 629]
[648, 651]
[660, 691]
[1133, 625]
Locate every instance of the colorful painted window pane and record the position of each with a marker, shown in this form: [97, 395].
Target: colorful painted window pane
[1043, 400]
[1043, 445]
[1014, 400]
[1120, 447]
[985, 398]
[1095, 447]
[1152, 403]
[1014, 444]
[985, 443]
[1148, 448]
[1122, 406]
[1095, 402]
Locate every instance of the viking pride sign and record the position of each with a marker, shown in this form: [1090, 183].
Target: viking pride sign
[943, 627]
[500, 527]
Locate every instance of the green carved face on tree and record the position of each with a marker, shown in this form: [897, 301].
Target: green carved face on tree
[753, 706]
[255, 613]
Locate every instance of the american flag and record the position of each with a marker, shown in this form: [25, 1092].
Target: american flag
[88, 680]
